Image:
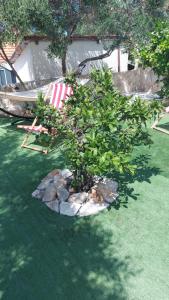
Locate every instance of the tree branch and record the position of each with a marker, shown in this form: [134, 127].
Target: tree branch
[15, 115]
[82, 65]
[98, 57]
[4, 56]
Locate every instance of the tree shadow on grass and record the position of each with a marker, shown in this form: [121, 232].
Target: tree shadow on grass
[45, 255]
[164, 126]
[143, 173]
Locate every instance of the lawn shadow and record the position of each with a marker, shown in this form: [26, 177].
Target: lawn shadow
[49, 256]
[144, 172]
[46, 256]
[164, 126]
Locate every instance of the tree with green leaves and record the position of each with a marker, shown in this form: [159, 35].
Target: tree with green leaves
[99, 128]
[130, 21]
[156, 54]
[14, 25]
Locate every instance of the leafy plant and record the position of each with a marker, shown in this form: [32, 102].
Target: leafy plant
[47, 116]
[100, 128]
[156, 54]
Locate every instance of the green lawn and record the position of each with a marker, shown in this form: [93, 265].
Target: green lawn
[119, 254]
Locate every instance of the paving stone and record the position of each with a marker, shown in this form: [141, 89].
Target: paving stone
[78, 198]
[66, 173]
[62, 193]
[38, 194]
[91, 208]
[59, 181]
[44, 184]
[69, 209]
[108, 190]
[50, 193]
[53, 173]
[53, 205]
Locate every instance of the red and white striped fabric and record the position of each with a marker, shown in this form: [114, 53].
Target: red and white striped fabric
[60, 93]
[34, 129]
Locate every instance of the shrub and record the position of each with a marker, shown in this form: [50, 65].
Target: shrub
[156, 54]
[100, 128]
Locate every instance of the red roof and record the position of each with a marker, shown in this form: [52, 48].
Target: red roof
[9, 50]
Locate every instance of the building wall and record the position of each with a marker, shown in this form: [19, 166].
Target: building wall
[44, 67]
[34, 62]
[80, 50]
[24, 65]
[5, 76]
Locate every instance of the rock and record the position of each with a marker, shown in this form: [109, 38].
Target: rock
[97, 179]
[59, 181]
[71, 190]
[107, 189]
[38, 194]
[54, 205]
[53, 173]
[91, 208]
[78, 198]
[66, 173]
[112, 184]
[44, 184]
[62, 193]
[95, 195]
[69, 209]
[50, 193]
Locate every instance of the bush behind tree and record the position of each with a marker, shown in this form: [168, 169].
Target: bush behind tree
[99, 128]
[156, 54]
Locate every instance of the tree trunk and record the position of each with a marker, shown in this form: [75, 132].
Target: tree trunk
[64, 68]
[4, 56]
[15, 115]
[82, 65]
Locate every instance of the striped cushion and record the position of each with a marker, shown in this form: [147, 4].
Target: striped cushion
[35, 129]
[60, 93]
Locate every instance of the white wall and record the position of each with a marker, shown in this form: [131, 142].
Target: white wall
[79, 50]
[24, 66]
[34, 62]
[43, 66]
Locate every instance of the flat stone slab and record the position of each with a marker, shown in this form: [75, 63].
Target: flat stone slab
[92, 208]
[53, 205]
[69, 209]
[79, 198]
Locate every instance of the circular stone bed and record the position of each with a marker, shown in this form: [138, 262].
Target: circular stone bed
[55, 191]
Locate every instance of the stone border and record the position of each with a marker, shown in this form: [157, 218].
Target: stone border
[56, 193]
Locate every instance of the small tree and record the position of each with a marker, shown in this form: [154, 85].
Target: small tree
[100, 128]
[14, 25]
[156, 54]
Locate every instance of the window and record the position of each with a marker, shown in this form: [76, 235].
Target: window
[3, 80]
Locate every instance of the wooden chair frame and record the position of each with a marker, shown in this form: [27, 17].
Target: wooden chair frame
[156, 123]
[25, 143]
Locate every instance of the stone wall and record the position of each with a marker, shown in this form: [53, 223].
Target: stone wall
[140, 80]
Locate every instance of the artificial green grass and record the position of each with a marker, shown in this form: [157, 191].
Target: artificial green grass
[119, 254]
